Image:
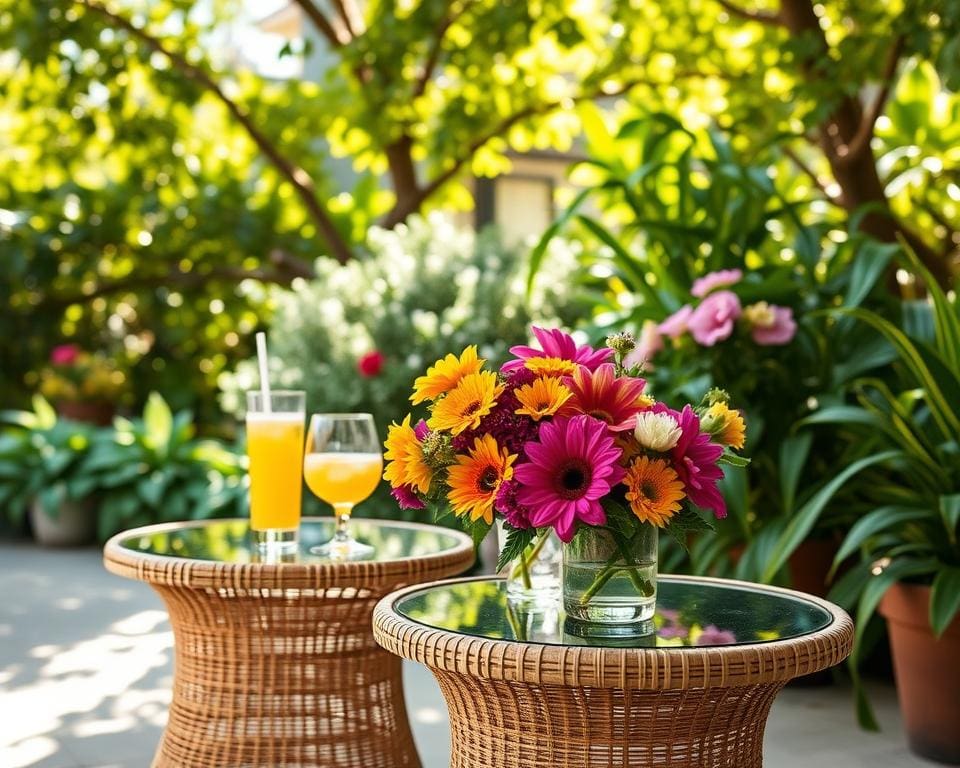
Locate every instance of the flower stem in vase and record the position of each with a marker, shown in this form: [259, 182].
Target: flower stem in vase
[528, 557]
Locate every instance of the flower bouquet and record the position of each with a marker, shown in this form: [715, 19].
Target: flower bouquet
[563, 439]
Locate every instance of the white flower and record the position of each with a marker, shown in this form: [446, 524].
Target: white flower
[657, 431]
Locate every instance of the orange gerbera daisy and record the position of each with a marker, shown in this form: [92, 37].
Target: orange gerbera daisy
[541, 398]
[463, 406]
[445, 374]
[475, 479]
[654, 490]
[725, 424]
[404, 455]
[550, 366]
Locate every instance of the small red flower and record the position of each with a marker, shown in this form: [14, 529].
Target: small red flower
[65, 354]
[371, 364]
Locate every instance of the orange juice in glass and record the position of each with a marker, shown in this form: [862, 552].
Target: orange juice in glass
[275, 449]
[342, 466]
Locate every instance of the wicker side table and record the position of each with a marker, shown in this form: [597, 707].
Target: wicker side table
[275, 664]
[523, 691]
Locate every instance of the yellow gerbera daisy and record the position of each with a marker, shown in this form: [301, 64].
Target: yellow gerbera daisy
[405, 463]
[445, 374]
[542, 397]
[476, 477]
[654, 490]
[725, 425]
[467, 403]
[550, 366]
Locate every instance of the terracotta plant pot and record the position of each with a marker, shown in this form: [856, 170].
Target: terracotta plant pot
[98, 413]
[927, 672]
[74, 525]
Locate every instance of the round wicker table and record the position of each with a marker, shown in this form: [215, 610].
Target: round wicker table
[275, 663]
[528, 689]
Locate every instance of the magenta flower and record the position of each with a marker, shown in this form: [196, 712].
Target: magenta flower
[507, 505]
[406, 497]
[703, 285]
[65, 354]
[713, 320]
[779, 329]
[676, 324]
[572, 466]
[694, 459]
[649, 343]
[421, 430]
[556, 343]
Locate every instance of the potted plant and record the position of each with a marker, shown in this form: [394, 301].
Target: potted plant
[907, 463]
[43, 475]
[153, 469]
[82, 386]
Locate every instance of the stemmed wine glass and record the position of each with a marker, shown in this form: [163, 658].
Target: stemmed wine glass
[342, 465]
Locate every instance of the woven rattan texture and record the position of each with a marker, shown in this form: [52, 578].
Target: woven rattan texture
[272, 672]
[518, 704]
[518, 725]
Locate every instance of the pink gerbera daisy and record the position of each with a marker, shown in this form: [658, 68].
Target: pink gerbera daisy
[572, 466]
[556, 343]
[602, 395]
[694, 458]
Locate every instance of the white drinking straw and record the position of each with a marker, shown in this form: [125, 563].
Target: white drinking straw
[264, 371]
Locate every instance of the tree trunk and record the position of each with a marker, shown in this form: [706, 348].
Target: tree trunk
[855, 172]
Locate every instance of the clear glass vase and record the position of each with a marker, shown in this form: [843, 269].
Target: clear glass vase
[611, 584]
[534, 578]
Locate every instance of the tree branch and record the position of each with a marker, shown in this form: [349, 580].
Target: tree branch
[403, 209]
[336, 39]
[861, 139]
[351, 19]
[296, 176]
[764, 17]
[808, 170]
[434, 56]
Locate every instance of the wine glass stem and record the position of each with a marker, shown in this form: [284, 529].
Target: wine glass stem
[343, 521]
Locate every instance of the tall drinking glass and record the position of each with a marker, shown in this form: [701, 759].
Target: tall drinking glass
[342, 466]
[275, 448]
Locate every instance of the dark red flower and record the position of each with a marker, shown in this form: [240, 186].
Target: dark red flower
[371, 364]
[65, 354]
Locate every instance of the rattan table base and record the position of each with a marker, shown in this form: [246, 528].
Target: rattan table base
[282, 679]
[518, 725]
[275, 664]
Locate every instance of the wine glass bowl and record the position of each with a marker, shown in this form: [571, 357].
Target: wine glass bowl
[342, 466]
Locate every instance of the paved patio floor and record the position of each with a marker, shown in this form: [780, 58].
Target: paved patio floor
[85, 675]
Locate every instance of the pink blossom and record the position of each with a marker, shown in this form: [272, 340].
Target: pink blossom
[556, 343]
[676, 324]
[649, 343]
[713, 320]
[421, 430]
[694, 459]
[703, 285]
[65, 354]
[406, 497]
[780, 330]
[713, 635]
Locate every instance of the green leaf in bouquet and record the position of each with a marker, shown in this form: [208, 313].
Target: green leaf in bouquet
[478, 532]
[518, 539]
[733, 459]
[685, 522]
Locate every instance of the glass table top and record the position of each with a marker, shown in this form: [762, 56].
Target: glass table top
[230, 541]
[689, 614]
